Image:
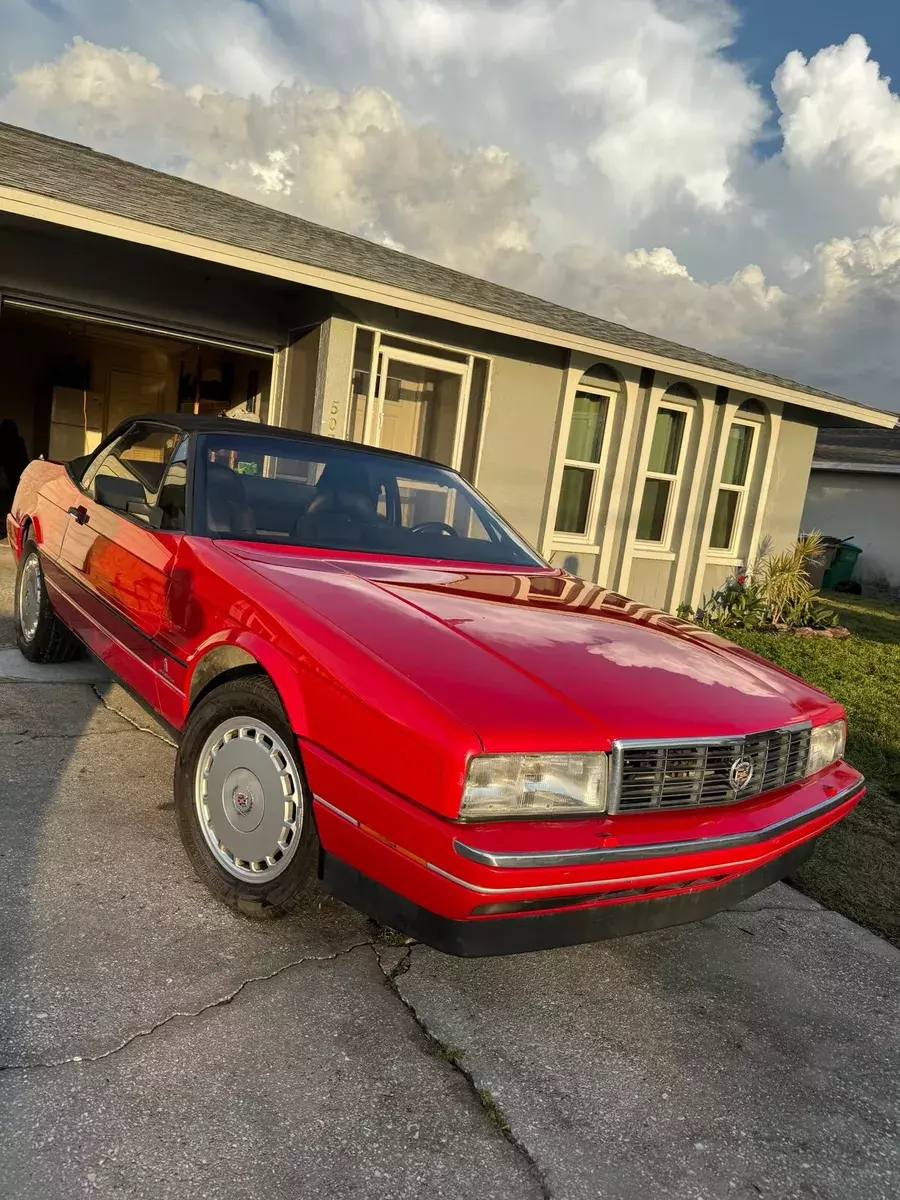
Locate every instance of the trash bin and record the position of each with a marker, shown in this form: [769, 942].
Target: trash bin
[842, 566]
[815, 571]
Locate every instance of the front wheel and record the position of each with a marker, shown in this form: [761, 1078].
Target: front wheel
[243, 807]
[40, 635]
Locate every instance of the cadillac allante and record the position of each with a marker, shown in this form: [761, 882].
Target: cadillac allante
[376, 684]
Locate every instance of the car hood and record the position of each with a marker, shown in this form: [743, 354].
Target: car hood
[620, 668]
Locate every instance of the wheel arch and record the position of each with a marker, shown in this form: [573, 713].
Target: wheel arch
[28, 523]
[225, 661]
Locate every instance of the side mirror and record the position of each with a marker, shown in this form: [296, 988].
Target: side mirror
[150, 512]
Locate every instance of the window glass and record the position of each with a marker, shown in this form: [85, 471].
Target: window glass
[172, 498]
[737, 454]
[131, 470]
[665, 449]
[304, 493]
[419, 410]
[586, 430]
[655, 502]
[574, 500]
[724, 518]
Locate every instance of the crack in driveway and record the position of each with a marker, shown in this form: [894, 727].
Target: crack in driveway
[182, 1015]
[453, 1057]
[131, 721]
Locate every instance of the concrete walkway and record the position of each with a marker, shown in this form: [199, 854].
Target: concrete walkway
[153, 1044]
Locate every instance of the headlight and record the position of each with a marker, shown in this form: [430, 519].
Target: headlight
[534, 785]
[826, 745]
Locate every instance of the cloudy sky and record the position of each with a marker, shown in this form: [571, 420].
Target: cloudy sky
[725, 174]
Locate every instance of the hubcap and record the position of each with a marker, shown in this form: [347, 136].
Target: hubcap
[30, 597]
[249, 799]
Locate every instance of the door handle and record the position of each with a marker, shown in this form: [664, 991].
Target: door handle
[80, 513]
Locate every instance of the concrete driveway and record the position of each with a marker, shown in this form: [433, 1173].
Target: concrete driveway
[153, 1044]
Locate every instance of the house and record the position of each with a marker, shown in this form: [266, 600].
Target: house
[642, 465]
[854, 492]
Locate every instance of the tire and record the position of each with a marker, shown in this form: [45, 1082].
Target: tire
[40, 635]
[237, 755]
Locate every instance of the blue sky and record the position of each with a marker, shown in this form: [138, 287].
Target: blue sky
[733, 184]
[770, 28]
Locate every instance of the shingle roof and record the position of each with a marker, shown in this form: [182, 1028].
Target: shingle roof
[866, 449]
[68, 172]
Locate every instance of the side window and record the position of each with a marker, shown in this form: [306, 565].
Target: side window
[172, 499]
[129, 476]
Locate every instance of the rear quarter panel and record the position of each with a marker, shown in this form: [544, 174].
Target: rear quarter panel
[42, 498]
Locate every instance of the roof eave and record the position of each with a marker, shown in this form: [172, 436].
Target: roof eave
[44, 208]
[857, 468]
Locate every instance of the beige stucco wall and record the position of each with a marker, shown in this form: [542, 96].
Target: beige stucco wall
[651, 581]
[865, 508]
[713, 576]
[583, 565]
[788, 480]
[519, 432]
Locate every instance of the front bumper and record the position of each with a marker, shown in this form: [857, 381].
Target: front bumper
[546, 931]
[446, 882]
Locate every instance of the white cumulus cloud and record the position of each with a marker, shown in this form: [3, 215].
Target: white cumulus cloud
[603, 153]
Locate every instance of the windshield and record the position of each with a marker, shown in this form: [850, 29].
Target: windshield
[303, 493]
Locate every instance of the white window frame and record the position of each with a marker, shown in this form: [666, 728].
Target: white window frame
[732, 550]
[664, 545]
[375, 411]
[381, 355]
[560, 538]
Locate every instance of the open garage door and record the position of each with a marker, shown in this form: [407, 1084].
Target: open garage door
[70, 376]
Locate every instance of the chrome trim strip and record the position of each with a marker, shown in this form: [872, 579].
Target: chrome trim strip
[338, 812]
[580, 885]
[620, 745]
[728, 841]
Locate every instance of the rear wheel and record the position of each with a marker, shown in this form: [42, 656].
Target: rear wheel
[242, 802]
[40, 634]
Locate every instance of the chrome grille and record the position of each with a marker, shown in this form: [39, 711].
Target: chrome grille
[685, 774]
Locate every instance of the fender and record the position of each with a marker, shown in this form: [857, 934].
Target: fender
[19, 526]
[251, 648]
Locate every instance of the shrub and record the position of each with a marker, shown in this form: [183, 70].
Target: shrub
[783, 579]
[774, 593]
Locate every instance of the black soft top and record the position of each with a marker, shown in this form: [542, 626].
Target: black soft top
[197, 423]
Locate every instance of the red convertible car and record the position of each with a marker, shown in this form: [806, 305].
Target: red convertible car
[375, 682]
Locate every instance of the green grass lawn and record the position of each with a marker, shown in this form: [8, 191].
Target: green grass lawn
[856, 868]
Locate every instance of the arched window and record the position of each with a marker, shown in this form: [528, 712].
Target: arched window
[665, 465]
[586, 453]
[741, 445]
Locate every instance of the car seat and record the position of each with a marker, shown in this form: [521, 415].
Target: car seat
[227, 512]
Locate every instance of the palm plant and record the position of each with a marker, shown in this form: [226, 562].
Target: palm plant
[783, 579]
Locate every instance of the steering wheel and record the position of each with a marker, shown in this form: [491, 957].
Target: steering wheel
[435, 527]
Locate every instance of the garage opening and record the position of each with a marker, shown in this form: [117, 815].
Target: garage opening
[69, 379]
